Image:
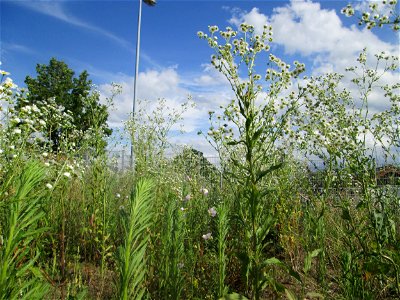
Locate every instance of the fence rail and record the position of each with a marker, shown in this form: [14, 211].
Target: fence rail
[386, 175]
[120, 160]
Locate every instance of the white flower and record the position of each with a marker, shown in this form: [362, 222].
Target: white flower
[45, 154]
[26, 108]
[118, 195]
[8, 83]
[17, 131]
[204, 191]
[212, 212]
[49, 186]
[47, 164]
[16, 120]
[182, 209]
[67, 174]
[207, 236]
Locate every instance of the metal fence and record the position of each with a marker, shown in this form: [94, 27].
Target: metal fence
[120, 160]
[386, 175]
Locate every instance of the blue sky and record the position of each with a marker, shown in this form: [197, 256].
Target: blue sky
[100, 37]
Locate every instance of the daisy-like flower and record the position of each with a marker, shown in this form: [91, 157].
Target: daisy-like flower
[204, 191]
[17, 131]
[118, 195]
[67, 174]
[16, 120]
[212, 212]
[207, 236]
[8, 83]
[49, 186]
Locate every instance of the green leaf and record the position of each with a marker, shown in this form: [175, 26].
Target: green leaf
[290, 295]
[238, 164]
[314, 295]
[291, 271]
[131, 256]
[279, 287]
[265, 227]
[346, 214]
[309, 257]
[273, 261]
[233, 296]
[241, 108]
[361, 204]
[262, 173]
[234, 143]
[257, 134]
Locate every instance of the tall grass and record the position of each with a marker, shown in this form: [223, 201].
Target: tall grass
[173, 260]
[268, 231]
[132, 254]
[20, 276]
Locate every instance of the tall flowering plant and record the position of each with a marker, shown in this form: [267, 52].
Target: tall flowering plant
[340, 127]
[250, 134]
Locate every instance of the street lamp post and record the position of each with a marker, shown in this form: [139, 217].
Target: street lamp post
[150, 3]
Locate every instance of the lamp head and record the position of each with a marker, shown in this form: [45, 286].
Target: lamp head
[150, 2]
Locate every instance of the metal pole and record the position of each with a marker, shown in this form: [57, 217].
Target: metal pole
[136, 72]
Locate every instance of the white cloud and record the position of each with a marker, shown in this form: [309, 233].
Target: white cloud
[152, 85]
[254, 17]
[14, 47]
[210, 78]
[303, 27]
[175, 89]
[197, 142]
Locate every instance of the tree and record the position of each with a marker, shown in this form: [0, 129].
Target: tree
[56, 81]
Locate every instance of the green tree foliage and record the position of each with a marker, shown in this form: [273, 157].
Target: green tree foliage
[75, 94]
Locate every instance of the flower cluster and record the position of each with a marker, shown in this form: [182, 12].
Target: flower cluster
[212, 212]
[334, 124]
[377, 14]
[207, 236]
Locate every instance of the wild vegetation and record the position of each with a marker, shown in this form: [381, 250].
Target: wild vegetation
[265, 224]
